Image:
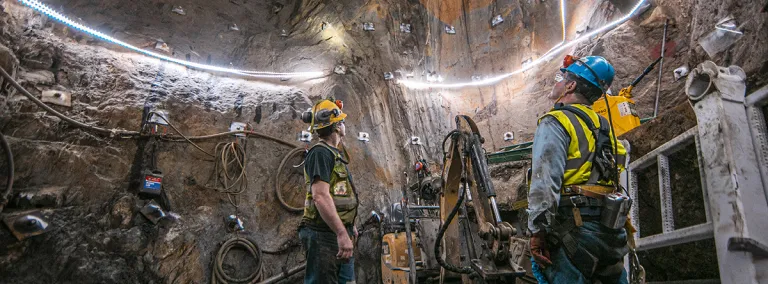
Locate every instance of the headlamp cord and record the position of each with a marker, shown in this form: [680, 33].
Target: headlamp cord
[633, 259]
[615, 145]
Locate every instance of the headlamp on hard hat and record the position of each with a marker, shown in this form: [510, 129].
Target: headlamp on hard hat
[568, 60]
[340, 104]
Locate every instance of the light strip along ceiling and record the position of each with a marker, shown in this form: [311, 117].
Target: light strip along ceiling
[546, 57]
[42, 8]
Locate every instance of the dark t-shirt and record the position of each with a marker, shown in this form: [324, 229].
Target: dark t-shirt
[319, 163]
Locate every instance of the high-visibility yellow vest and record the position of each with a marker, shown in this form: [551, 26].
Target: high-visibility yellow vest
[341, 189]
[578, 165]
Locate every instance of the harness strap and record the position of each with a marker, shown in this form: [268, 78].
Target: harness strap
[603, 162]
[561, 236]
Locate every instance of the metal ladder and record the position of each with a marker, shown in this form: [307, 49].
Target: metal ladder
[732, 147]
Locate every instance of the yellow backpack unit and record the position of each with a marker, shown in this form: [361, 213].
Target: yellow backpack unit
[623, 114]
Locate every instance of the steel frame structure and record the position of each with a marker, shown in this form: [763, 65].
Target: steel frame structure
[731, 141]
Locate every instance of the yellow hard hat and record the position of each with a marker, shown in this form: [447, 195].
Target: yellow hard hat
[325, 113]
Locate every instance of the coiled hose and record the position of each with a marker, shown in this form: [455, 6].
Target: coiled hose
[278, 190]
[9, 185]
[221, 277]
[256, 252]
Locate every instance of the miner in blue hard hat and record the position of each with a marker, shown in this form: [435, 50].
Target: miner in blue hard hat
[577, 211]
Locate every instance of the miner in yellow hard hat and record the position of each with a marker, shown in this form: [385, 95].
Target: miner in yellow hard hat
[330, 208]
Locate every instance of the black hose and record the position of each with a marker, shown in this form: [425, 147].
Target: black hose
[9, 185]
[220, 276]
[285, 274]
[253, 249]
[38, 102]
[438, 242]
[445, 154]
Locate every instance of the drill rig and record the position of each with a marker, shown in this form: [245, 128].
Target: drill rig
[408, 231]
[470, 244]
[477, 247]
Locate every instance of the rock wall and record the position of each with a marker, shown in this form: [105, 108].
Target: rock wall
[86, 184]
[531, 28]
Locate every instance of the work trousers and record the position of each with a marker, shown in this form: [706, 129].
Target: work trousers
[321, 248]
[599, 257]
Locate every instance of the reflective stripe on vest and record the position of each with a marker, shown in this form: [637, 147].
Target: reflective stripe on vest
[578, 164]
[341, 190]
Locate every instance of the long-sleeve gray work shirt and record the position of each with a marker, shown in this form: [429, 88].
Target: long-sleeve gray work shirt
[550, 151]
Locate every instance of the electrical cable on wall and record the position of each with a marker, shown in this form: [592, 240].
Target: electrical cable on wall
[135, 134]
[231, 177]
[10, 170]
[38, 102]
[493, 80]
[284, 201]
[231, 155]
[42, 8]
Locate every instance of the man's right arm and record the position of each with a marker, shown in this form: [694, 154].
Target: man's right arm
[321, 195]
[550, 151]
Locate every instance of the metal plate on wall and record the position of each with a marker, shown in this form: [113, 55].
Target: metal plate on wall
[57, 97]
[27, 224]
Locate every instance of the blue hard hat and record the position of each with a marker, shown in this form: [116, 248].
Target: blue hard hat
[593, 69]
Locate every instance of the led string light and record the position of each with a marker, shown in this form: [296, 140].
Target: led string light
[425, 85]
[562, 16]
[562, 21]
[42, 8]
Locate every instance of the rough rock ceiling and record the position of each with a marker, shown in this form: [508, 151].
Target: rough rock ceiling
[87, 183]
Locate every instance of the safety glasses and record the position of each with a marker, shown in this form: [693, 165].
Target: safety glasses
[559, 77]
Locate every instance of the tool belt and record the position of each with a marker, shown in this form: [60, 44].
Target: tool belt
[583, 200]
[586, 203]
[594, 200]
[589, 190]
[580, 201]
